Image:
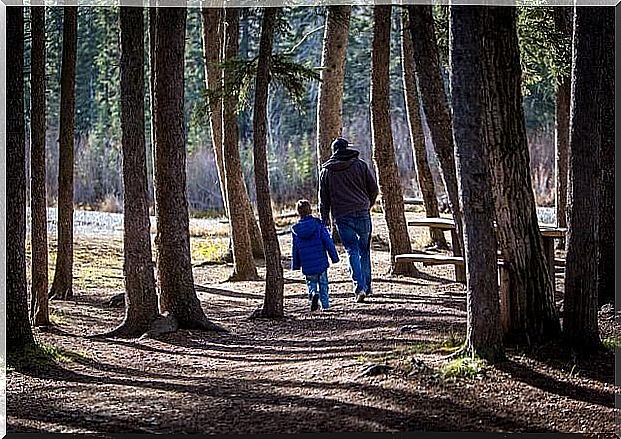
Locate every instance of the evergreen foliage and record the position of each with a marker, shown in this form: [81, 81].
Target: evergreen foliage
[291, 136]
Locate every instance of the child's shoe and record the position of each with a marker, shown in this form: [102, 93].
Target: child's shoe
[315, 302]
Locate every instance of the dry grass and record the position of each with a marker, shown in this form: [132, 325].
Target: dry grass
[111, 204]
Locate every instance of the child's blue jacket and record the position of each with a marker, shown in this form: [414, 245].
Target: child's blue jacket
[311, 245]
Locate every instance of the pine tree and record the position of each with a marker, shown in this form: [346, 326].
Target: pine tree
[18, 332]
[483, 333]
[38, 193]
[383, 147]
[62, 286]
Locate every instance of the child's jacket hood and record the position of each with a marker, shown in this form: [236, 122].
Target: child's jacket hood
[307, 227]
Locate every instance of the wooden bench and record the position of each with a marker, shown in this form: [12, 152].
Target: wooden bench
[413, 201]
[428, 259]
[436, 223]
[443, 224]
[549, 232]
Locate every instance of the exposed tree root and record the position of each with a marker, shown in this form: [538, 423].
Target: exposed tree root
[461, 352]
[60, 294]
[124, 330]
[202, 324]
[118, 300]
[374, 370]
[163, 324]
[260, 313]
[405, 269]
[228, 256]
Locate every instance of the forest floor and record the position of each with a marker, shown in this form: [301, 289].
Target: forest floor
[305, 373]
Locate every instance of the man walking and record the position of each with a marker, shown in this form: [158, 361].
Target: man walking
[347, 191]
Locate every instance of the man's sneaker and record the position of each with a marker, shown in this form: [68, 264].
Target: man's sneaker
[315, 302]
[360, 296]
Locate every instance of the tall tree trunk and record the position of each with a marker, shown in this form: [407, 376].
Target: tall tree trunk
[588, 110]
[256, 240]
[435, 106]
[274, 280]
[529, 291]
[563, 22]
[18, 332]
[484, 333]
[177, 294]
[38, 197]
[412, 103]
[212, 36]
[330, 97]
[383, 148]
[152, 13]
[244, 266]
[212, 51]
[606, 205]
[62, 286]
[330, 94]
[141, 301]
[563, 97]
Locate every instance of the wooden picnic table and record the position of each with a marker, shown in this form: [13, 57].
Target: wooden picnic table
[549, 232]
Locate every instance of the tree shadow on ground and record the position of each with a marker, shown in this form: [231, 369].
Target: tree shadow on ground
[258, 350]
[547, 383]
[226, 292]
[598, 365]
[234, 405]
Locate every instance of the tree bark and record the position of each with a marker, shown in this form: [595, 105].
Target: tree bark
[152, 13]
[437, 112]
[529, 293]
[141, 301]
[606, 205]
[412, 103]
[580, 326]
[18, 332]
[274, 280]
[244, 267]
[484, 333]
[212, 50]
[332, 80]
[38, 196]
[563, 22]
[383, 148]
[330, 95]
[62, 286]
[563, 97]
[177, 294]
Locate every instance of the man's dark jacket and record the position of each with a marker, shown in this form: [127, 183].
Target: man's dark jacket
[346, 185]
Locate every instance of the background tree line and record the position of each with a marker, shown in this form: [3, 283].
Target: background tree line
[291, 135]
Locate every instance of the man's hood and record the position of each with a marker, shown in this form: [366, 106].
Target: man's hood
[306, 228]
[341, 160]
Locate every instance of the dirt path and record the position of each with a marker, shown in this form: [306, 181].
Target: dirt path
[301, 374]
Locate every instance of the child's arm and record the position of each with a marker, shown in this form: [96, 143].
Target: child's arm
[328, 244]
[295, 254]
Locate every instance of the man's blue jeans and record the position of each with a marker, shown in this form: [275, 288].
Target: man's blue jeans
[318, 284]
[355, 232]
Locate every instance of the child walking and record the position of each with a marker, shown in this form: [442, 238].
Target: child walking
[312, 244]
